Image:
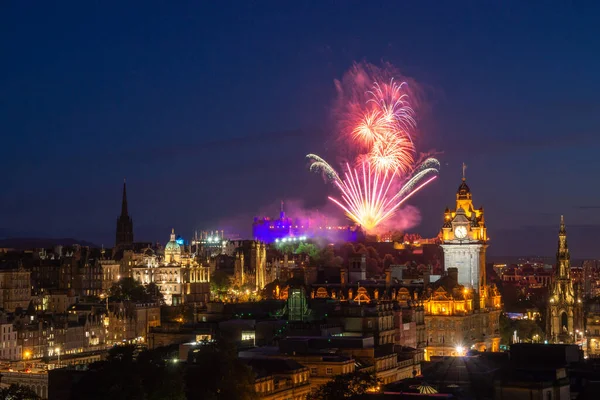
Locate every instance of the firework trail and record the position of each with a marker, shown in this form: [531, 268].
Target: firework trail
[317, 164]
[368, 197]
[392, 153]
[379, 125]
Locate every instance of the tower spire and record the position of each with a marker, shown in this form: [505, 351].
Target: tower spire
[464, 168]
[564, 311]
[124, 235]
[124, 202]
[562, 255]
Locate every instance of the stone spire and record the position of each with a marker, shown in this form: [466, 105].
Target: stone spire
[124, 212]
[124, 236]
[564, 316]
[562, 254]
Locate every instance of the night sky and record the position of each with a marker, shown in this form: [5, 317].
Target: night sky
[209, 109]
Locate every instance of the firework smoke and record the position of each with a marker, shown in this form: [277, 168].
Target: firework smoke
[377, 128]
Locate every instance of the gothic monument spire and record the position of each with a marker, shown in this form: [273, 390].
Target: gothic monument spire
[564, 309]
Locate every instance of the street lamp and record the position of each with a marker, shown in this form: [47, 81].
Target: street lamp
[58, 352]
[459, 350]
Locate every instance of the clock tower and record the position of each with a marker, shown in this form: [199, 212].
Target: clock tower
[464, 240]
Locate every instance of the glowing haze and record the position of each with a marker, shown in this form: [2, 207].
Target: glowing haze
[377, 131]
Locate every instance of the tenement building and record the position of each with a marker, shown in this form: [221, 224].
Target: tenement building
[15, 288]
[461, 310]
[592, 326]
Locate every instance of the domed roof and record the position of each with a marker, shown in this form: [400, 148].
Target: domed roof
[172, 246]
[463, 191]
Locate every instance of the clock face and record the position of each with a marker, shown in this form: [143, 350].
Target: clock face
[460, 232]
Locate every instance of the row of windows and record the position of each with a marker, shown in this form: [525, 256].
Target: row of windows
[329, 370]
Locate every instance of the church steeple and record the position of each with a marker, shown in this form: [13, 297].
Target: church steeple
[124, 236]
[124, 201]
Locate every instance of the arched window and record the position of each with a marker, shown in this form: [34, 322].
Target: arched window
[564, 322]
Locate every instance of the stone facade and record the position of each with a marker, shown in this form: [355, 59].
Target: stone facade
[461, 310]
[10, 348]
[15, 289]
[177, 273]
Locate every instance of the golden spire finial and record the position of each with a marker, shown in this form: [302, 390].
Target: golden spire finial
[464, 168]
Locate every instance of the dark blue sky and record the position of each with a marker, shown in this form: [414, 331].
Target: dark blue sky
[209, 109]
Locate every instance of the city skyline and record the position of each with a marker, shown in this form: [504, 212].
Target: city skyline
[193, 116]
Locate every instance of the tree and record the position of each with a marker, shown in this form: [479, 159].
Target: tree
[153, 291]
[373, 267]
[288, 247]
[529, 330]
[18, 392]
[388, 260]
[327, 258]
[372, 252]
[149, 375]
[347, 250]
[309, 249]
[505, 328]
[130, 289]
[220, 282]
[351, 386]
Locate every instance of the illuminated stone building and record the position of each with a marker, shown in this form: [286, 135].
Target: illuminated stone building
[592, 329]
[250, 264]
[110, 274]
[565, 315]
[376, 320]
[178, 275]
[11, 349]
[591, 282]
[464, 240]
[277, 379]
[461, 310]
[454, 325]
[286, 229]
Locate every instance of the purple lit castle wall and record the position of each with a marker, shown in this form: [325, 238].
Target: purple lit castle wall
[269, 231]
